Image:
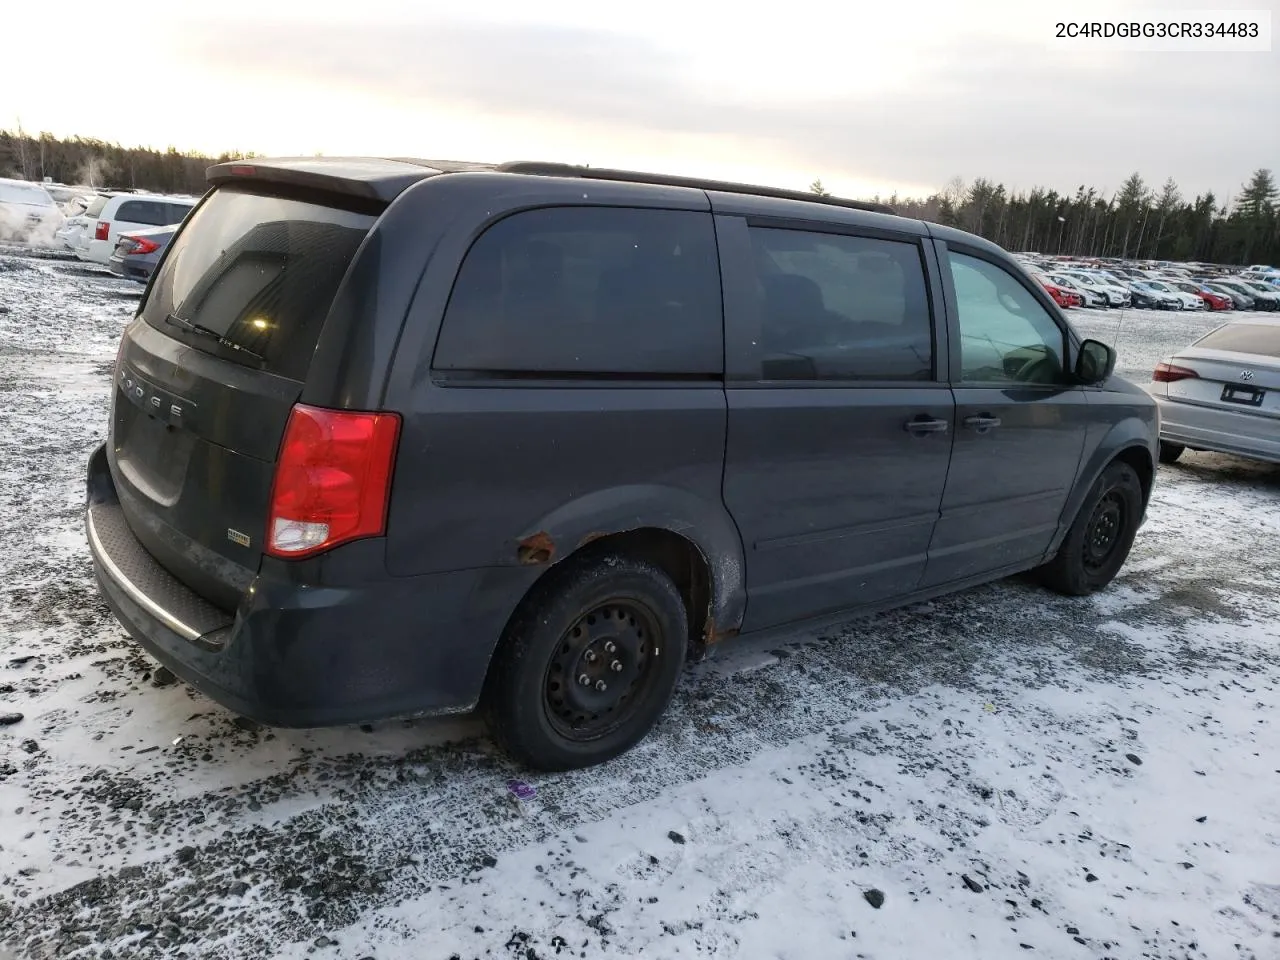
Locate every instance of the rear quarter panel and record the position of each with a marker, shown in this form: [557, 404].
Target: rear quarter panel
[518, 475]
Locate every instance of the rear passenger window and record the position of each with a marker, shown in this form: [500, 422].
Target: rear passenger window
[835, 307]
[588, 290]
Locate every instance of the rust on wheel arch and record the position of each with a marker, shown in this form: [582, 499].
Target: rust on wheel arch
[711, 634]
[536, 549]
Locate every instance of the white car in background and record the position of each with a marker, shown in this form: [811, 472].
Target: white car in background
[1116, 296]
[1189, 300]
[93, 235]
[78, 229]
[1092, 296]
[27, 213]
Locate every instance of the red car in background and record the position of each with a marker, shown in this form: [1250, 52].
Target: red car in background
[1212, 301]
[1063, 298]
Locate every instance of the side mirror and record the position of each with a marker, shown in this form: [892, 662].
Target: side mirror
[1095, 362]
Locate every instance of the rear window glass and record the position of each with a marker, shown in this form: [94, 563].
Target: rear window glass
[95, 206]
[1260, 338]
[258, 273]
[27, 193]
[154, 213]
[588, 290]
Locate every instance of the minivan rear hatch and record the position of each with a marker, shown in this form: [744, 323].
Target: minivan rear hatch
[209, 370]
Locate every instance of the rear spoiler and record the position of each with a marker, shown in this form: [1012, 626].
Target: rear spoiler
[380, 181]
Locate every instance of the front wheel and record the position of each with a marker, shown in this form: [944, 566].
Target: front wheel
[588, 664]
[1098, 543]
[1170, 452]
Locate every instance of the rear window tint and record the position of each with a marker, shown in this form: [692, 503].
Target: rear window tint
[259, 272]
[1260, 338]
[154, 213]
[840, 307]
[588, 290]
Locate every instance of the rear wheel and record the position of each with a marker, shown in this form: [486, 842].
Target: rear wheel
[1170, 452]
[588, 664]
[1101, 536]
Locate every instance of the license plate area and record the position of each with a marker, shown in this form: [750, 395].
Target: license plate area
[1245, 396]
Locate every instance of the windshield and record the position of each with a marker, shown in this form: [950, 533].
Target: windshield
[258, 272]
[28, 193]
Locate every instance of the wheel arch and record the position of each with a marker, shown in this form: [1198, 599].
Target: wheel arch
[694, 541]
[1130, 441]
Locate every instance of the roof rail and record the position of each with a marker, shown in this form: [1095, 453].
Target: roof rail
[540, 168]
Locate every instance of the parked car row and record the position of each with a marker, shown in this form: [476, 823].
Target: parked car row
[96, 234]
[126, 230]
[1161, 286]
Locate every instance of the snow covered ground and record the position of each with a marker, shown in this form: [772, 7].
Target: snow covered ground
[1005, 773]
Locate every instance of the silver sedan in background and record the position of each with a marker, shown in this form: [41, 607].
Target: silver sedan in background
[1222, 393]
[138, 252]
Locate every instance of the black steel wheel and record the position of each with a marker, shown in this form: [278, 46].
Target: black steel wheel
[602, 669]
[588, 663]
[1101, 536]
[1105, 529]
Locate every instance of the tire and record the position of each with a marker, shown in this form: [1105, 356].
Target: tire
[1170, 452]
[601, 617]
[1098, 543]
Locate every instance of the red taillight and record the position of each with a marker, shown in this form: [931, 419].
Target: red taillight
[102, 231]
[1169, 373]
[332, 480]
[242, 170]
[140, 245]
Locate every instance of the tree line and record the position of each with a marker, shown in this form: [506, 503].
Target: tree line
[85, 161]
[1136, 222]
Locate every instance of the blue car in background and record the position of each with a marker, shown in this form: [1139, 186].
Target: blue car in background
[137, 252]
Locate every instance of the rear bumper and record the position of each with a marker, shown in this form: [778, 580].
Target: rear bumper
[303, 654]
[97, 251]
[139, 270]
[1222, 431]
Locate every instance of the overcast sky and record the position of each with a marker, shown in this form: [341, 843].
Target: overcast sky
[871, 97]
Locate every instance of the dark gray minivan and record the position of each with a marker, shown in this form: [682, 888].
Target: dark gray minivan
[395, 437]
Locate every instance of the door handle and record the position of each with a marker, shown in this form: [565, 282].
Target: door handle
[924, 424]
[983, 423]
